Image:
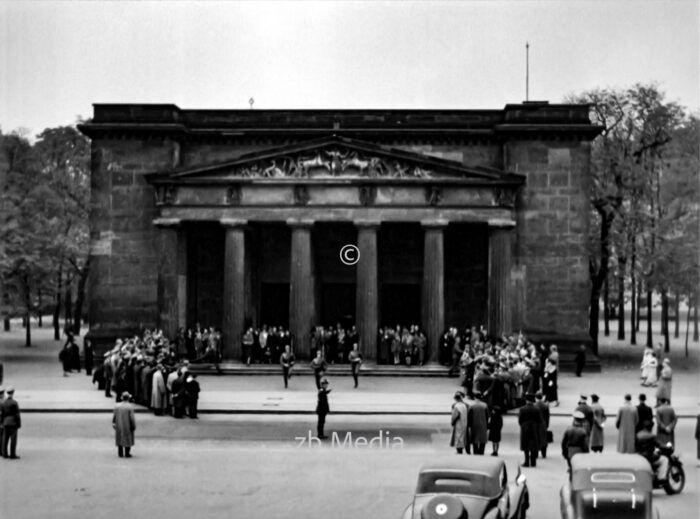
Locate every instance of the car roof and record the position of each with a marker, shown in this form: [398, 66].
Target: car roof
[489, 466]
[609, 462]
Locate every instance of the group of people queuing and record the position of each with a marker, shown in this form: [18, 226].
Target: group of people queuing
[406, 345]
[147, 369]
[502, 370]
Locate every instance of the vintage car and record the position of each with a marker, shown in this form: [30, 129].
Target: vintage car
[475, 487]
[615, 486]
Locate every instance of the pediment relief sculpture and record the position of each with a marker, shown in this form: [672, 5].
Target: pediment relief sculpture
[332, 162]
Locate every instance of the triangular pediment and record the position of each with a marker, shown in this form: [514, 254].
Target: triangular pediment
[335, 157]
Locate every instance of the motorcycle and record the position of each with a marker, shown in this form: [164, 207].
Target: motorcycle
[668, 471]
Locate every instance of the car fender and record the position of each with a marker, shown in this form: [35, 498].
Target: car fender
[565, 506]
[518, 497]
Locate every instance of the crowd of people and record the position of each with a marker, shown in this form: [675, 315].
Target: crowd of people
[147, 370]
[403, 345]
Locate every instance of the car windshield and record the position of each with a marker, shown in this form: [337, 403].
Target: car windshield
[470, 483]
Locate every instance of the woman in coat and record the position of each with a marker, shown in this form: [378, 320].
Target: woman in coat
[597, 438]
[124, 424]
[665, 382]
[495, 427]
[459, 439]
[652, 379]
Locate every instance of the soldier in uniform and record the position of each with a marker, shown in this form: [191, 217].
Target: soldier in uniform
[319, 365]
[575, 439]
[355, 362]
[322, 408]
[287, 361]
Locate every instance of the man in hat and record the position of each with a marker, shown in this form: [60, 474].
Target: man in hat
[543, 408]
[124, 424]
[599, 418]
[575, 439]
[666, 421]
[478, 419]
[587, 413]
[322, 408]
[644, 413]
[11, 422]
[626, 423]
[460, 424]
[530, 421]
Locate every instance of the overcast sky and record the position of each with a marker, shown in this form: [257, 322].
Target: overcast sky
[57, 58]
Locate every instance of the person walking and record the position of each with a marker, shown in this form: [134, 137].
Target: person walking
[287, 362]
[543, 408]
[74, 353]
[599, 418]
[666, 421]
[587, 413]
[124, 424]
[644, 413]
[580, 360]
[319, 366]
[626, 423]
[575, 439]
[11, 421]
[495, 428]
[530, 421]
[460, 424]
[64, 356]
[355, 362]
[550, 384]
[478, 420]
[663, 390]
[322, 409]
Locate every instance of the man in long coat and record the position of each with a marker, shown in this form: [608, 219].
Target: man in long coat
[124, 424]
[530, 421]
[626, 424]
[598, 424]
[644, 413]
[322, 409]
[478, 420]
[159, 401]
[663, 390]
[460, 424]
[575, 439]
[666, 421]
[543, 408]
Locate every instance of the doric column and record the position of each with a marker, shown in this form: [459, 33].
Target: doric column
[302, 304]
[234, 287]
[366, 296]
[172, 275]
[433, 295]
[499, 298]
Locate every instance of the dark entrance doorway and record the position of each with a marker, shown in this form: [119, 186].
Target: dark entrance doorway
[274, 307]
[338, 304]
[400, 304]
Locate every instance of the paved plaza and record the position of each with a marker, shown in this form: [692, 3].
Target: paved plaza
[242, 457]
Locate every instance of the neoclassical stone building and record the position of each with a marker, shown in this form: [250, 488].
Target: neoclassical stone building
[235, 218]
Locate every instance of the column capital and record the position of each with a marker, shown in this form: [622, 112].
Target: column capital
[501, 223]
[436, 223]
[233, 222]
[300, 222]
[367, 224]
[166, 222]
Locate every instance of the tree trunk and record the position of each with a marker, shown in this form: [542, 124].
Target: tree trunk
[80, 297]
[638, 317]
[57, 306]
[695, 321]
[598, 278]
[621, 301]
[27, 310]
[606, 307]
[650, 343]
[41, 322]
[633, 313]
[6, 324]
[68, 312]
[677, 318]
[687, 328]
[664, 320]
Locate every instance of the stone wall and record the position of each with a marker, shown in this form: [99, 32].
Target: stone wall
[550, 254]
[124, 269]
